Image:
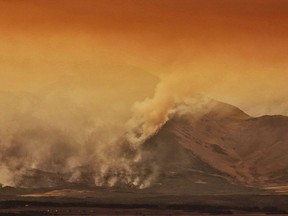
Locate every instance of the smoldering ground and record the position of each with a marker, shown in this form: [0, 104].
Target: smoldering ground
[53, 134]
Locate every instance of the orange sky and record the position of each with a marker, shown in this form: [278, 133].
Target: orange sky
[240, 47]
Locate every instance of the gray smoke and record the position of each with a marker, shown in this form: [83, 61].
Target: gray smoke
[55, 133]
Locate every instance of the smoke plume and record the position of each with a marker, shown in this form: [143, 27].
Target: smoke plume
[63, 132]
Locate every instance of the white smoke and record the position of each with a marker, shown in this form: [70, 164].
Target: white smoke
[54, 132]
[58, 133]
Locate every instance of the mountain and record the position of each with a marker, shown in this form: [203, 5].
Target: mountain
[222, 150]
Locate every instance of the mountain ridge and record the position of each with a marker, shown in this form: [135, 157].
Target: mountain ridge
[230, 146]
[222, 150]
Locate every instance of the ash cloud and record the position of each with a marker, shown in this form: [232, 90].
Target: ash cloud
[64, 133]
[50, 133]
[53, 133]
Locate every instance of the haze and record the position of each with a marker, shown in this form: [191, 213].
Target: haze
[233, 51]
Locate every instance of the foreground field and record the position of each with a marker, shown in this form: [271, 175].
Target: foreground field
[120, 203]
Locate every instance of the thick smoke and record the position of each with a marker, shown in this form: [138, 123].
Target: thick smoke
[152, 113]
[66, 134]
[54, 132]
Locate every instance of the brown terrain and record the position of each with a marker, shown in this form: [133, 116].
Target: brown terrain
[226, 143]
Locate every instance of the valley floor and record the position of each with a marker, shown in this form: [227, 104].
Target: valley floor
[144, 204]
